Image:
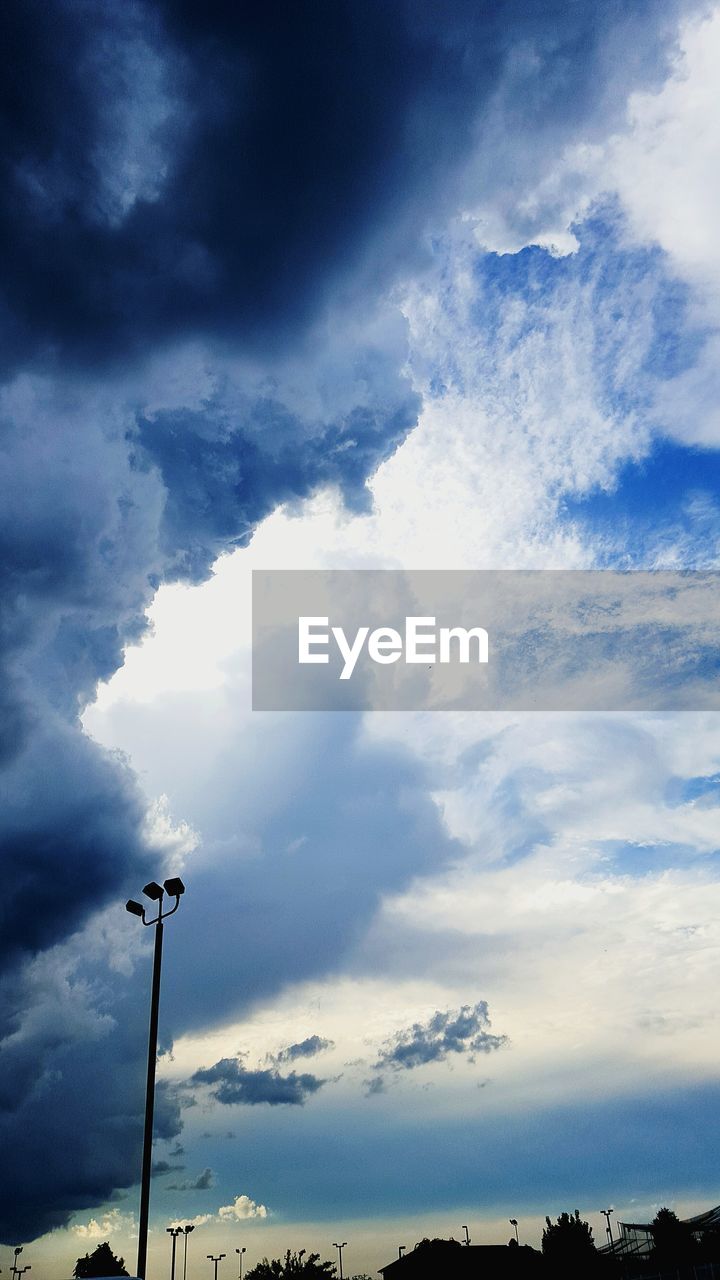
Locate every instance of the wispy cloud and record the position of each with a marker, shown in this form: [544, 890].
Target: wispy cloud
[202, 1182]
[307, 1048]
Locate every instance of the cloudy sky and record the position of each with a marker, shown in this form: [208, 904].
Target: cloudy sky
[330, 285]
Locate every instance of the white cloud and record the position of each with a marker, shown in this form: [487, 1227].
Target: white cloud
[242, 1208]
[111, 1223]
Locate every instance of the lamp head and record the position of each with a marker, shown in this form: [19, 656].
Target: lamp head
[153, 890]
[174, 886]
[190, 1227]
[135, 908]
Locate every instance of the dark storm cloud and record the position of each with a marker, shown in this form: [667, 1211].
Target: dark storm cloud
[464, 1032]
[249, 178]
[177, 168]
[304, 1049]
[71, 1109]
[234, 1083]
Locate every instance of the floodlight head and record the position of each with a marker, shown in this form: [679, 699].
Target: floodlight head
[153, 890]
[174, 886]
[190, 1227]
[135, 908]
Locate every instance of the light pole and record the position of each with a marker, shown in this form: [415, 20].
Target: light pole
[467, 1234]
[219, 1258]
[340, 1248]
[175, 887]
[401, 1250]
[606, 1215]
[513, 1223]
[186, 1230]
[240, 1253]
[16, 1270]
[174, 1232]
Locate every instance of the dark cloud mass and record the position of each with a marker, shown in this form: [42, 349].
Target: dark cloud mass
[175, 168]
[234, 1083]
[203, 208]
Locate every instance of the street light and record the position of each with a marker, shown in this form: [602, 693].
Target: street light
[190, 1226]
[174, 1232]
[219, 1258]
[155, 892]
[340, 1248]
[513, 1223]
[467, 1234]
[401, 1250]
[240, 1253]
[606, 1215]
[16, 1270]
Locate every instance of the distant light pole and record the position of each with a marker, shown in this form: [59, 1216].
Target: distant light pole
[190, 1226]
[606, 1215]
[340, 1248]
[240, 1253]
[174, 1232]
[219, 1258]
[513, 1223]
[401, 1250]
[16, 1270]
[467, 1234]
[175, 887]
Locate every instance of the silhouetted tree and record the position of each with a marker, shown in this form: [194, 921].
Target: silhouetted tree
[306, 1265]
[672, 1239]
[568, 1243]
[101, 1262]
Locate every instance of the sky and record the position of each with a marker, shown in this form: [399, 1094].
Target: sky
[348, 286]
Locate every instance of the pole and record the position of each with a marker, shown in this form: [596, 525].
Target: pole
[174, 1232]
[150, 1105]
[212, 1258]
